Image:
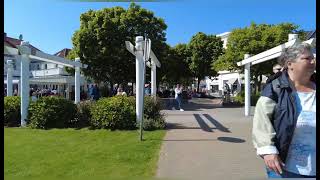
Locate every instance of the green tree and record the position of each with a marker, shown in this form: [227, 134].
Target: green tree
[204, 50]
[71, 56]
[175, 67]
[100, 41]
[253, 40]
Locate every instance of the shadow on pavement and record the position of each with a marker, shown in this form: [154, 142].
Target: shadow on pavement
[202, 123]
[180, 126]
[171, 104]
[198, 104]
[216, 123]
[231, 139]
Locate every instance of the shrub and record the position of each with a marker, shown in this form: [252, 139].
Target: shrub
[51, 112]
[83, 115]
[152, 107]
[153, 118]
[114, 113]
[239, 98]
[12, 115]
[154, 124]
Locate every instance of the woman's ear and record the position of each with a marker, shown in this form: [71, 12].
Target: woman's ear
[289, 65]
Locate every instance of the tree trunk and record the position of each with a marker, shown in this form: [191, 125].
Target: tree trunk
[198, 87]
[111, 89]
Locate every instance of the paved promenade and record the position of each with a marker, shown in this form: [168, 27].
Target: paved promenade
[207, 141]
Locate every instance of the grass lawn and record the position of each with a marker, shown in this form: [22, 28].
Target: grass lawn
[80, 154]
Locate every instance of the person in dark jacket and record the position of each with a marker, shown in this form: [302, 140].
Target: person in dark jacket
[277, 69]
[91, 92]
[96, 92]
[284, 122]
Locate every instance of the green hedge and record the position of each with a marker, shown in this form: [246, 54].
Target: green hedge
[110, 113]
[51, 112]
[153, 118]
[118, 112]
[83, 115]
[12, 114]
[113, 113]
[239, 98]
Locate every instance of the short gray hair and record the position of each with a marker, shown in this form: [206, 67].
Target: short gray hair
[290, 54]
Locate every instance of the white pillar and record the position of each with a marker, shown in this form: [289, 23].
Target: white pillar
[247, 91]
[77, 83]
[139, 78]
[153, 79]
[25, 52]
[9, 77]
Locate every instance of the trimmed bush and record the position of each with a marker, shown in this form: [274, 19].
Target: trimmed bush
[154, 124]
[153, 118]
[239, 98]
[113, 113]
[51, 112]
[12, 115]
[152, 107]
[83, 115]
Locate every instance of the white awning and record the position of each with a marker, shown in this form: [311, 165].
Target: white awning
[232, 81]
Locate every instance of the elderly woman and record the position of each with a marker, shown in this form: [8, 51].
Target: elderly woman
[284, 123]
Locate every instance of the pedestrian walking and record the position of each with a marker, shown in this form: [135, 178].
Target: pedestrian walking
[178, 95]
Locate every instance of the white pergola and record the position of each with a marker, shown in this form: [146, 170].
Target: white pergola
[142, 52]
[262, 57]
[24, 54]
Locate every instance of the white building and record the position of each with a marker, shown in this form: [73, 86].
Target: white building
[233, 79]
[43, 75]
[224, 37]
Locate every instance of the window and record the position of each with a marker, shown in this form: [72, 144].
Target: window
[38, 66]
[56, 65]
[45, 66]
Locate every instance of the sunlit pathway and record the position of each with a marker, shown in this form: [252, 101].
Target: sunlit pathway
[208, 142]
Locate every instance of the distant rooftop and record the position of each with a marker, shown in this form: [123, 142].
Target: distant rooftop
[13, 42]
[63, 53]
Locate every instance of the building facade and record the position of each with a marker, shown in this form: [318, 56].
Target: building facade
[43, 75]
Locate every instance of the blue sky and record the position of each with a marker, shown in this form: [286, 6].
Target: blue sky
[50, 24]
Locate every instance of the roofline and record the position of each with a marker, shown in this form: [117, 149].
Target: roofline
[20, 41]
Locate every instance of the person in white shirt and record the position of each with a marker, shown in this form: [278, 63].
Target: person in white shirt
[121, 92]
[178, 95]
